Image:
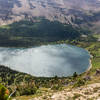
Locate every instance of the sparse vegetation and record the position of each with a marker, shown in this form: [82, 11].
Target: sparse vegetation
[79, 82]
[76, 95]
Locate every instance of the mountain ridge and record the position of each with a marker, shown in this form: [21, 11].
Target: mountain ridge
[76, 12]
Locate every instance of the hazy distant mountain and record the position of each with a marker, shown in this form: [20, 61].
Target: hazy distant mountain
[76, 12]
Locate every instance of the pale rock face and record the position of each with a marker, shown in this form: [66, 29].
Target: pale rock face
[65, 11]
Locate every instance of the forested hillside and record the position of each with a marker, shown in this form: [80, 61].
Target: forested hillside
[29, 33]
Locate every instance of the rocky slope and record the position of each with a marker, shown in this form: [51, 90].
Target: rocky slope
[89, 92]
[76, 12]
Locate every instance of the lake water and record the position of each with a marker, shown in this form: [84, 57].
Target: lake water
[47, 61]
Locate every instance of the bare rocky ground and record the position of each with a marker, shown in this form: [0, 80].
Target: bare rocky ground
[87, 92]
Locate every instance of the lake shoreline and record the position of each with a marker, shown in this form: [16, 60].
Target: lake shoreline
[90, 66]
[90, 62]
[51, 50]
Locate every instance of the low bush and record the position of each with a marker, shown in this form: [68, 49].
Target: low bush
[3, 93]
[79, 82]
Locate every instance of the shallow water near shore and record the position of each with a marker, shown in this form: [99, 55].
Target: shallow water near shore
[47, 60]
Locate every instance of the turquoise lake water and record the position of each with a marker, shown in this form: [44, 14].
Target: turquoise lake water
[47, 60]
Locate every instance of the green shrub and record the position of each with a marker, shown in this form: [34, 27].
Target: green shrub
[3, 94]
[75, 75]
[56, 87]
[27, 90]
[79, 83]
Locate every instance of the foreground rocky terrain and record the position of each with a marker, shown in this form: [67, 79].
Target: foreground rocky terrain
[88, 92]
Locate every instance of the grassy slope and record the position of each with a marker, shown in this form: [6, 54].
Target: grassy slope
[93, 47]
